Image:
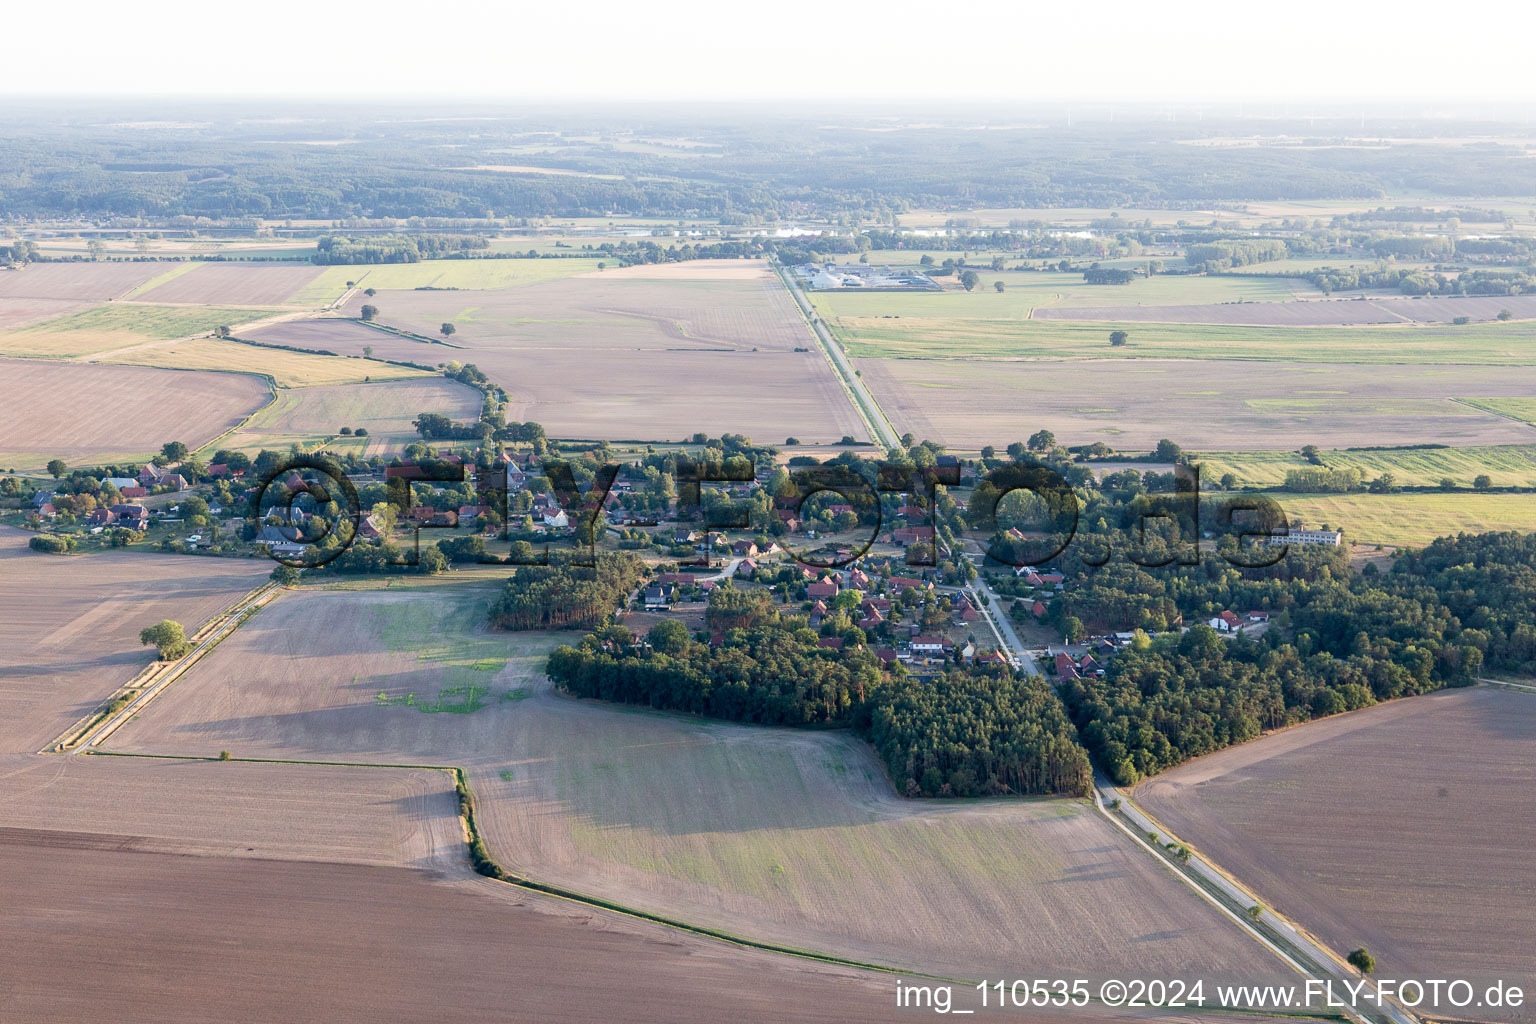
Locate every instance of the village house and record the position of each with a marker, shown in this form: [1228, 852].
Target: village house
[821, 588]
[658, 597]
[929, 646]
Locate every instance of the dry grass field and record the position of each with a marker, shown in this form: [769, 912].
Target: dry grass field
[287, 369]
[460, 274]
[1213, 404]
[786, 836]
[69, 626]
[1511, 465]
[118, 325]
[86, 413]
[1405, 828]
[79, 282]
[235, 284]
[386, 409]
[1411, 519]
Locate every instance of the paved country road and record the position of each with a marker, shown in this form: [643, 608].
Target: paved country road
[881, 429]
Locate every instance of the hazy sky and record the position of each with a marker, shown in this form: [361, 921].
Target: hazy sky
[688, 49]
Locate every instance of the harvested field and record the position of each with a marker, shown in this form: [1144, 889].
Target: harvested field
[787, 836]
[606, 312]
[1411, 519]
[1512, 343]
[1405, 828]
[615, 358]
[236, 284]
[132, 411]
[1328, 312]
[21, 312]
[77, 282]
[389, 817]
[69, 626]
[184, 940]
[287, 369]
[386, 410]
[346, 337]
[1203, 404]
[1506, 465]
[671, 395]
[118, 325]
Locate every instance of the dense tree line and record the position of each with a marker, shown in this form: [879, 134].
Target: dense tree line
[54, 163]
[1240, 252]
[963, 735]
[973, 735]
[335, 250]
[566, 596]
[1411, 281]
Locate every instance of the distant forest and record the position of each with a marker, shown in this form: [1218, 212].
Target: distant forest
[229, 163]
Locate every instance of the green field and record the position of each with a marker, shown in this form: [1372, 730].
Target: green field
[1512, 343]
[116, 325]
[1027, 290]
[159, 279]
[466, 274]
[1522, 409]
[1506, 465]
[1411, 519]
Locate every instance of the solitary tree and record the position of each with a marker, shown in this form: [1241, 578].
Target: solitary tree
[1482, 482]
[969, 280]
[1041, 440]
[1118, 338]
[447, 330]
[1505, 314]
[167, 637]
[369, 292]
[174, 451]
[367, 351]
[368, 312]
[1362, 961]
[999, 286]
[56, 468]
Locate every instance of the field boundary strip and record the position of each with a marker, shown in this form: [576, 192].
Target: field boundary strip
[400, 332]
[158, 676]
[245, 420]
